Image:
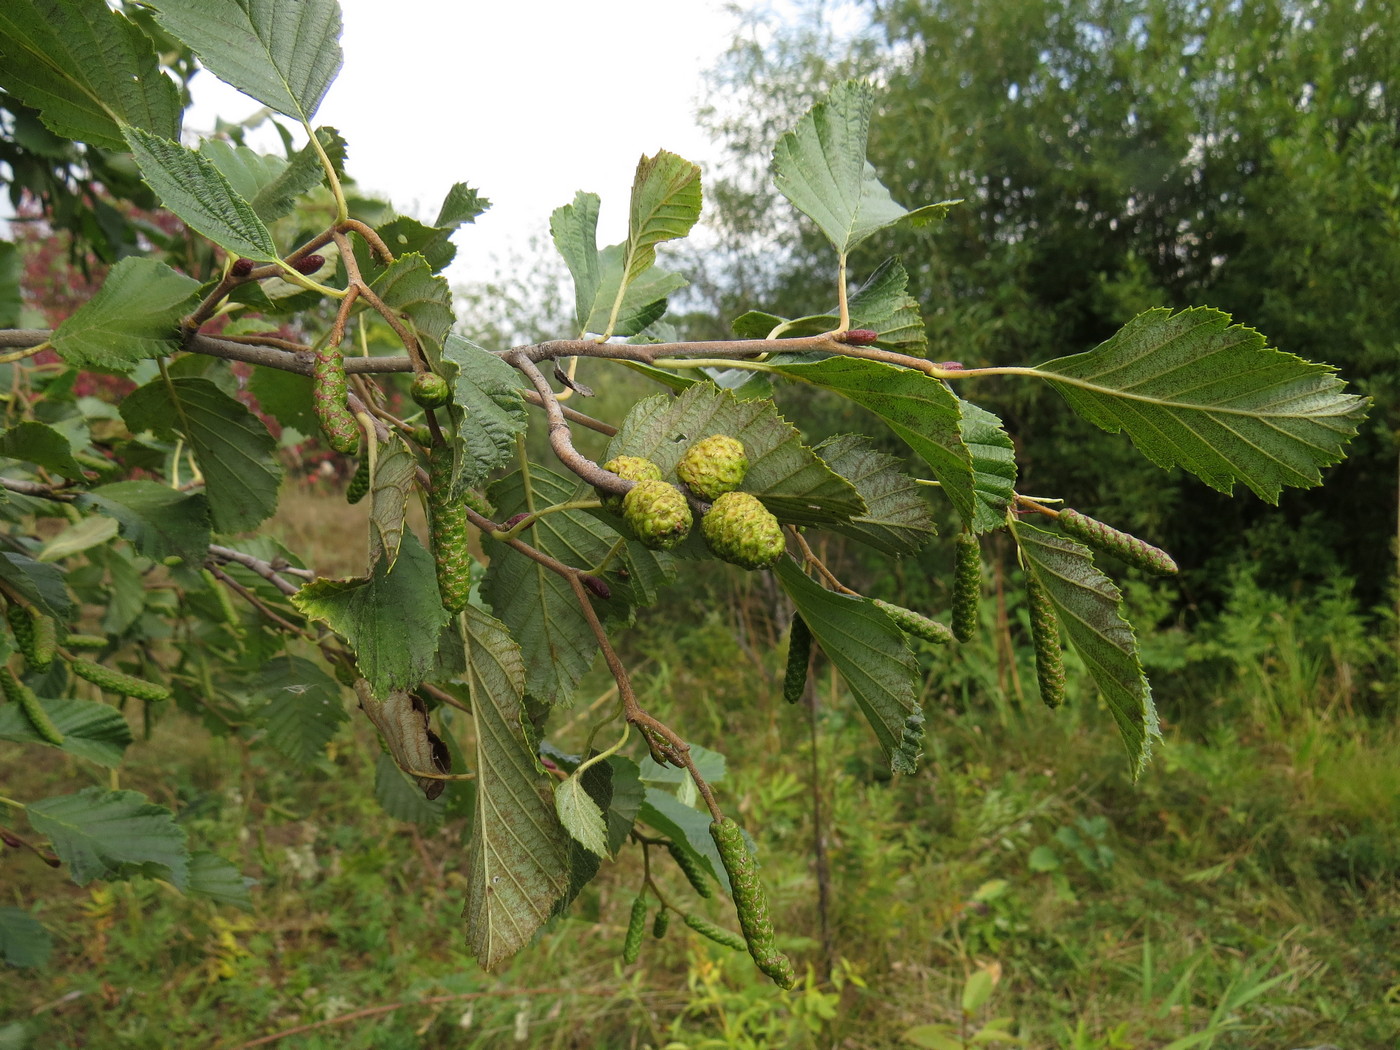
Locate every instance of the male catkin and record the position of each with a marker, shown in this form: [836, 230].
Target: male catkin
[636, 927]
[1045, 636]
[35, 635]
[449, 526]
[115, 681]
[693, 872]
[913, 623]
[799, 654]
[359, 482]
[751, 902]
[715, 933]
[1105, 538]
[18, 693]
[328, 398]
[967, 586]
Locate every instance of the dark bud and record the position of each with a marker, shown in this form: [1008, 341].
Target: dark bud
[860, 336]
[241, 267]
[309, 264]
[597, 586]
[949, 366]
[515, 520]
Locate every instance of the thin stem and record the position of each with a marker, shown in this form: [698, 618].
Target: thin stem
[342, 210]
[560, 438]
[20, 355]
[843, 306]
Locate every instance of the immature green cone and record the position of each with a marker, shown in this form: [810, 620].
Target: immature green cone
[636, 928]
[967, 586]
[661, 923]
[751, 903]
[119, 682]
[430, 390]
[913, 623]
[1045, 636]
[657, 513]
[741, 530]
[630, 468]
[713, 466]
[1105, 538]
[799, 655]
[328, 399]
[449, 529]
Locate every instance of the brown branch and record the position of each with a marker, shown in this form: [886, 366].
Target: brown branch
[256, 602]
[35, 488]
[372, 238]
[607, 429]
[560, 438]
[266, 570]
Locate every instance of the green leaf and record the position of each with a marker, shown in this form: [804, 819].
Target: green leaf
[284, 53]
[897, 518]
[395, 476]
[665, 205]
[517, 864]
[303, 707]
[921, 410]
[91, 730]
[626, 800]
[31, 442]
[1088, 607]
[820, 166]
[977, 990]
[643, 302]
[401, 797]
[103, 834]
[993, 464]
[220, 880]
[934, 1037]
[537, 605]
[574, 229]
[86, 69]
[884, 305]
[596, 785]
[234, 450]
[420, 298]
[686, 826]
[1193, 390]
[487, 390]
[134, 316]
[86, 534]
[38, 583]
[391, 619]
[160, 522]
[23, 939]
[195, 190]
[869, 650]
[286, 397]
[462, 204]
[270, 184]
[581, 816]
[787, 476]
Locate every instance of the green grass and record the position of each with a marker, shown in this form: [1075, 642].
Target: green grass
[1243, 893]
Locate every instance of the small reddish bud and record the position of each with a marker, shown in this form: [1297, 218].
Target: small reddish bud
[241, 267]
[597, 586]
[515, 520]
[860, 336]
[309, 264]
[949, 366]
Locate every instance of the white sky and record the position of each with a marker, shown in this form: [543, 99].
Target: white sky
[528, 102]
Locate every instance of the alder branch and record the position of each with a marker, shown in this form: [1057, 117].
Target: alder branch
[560, 437]
[268, 571]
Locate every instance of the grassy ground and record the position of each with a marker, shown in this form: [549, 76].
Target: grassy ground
[1243, 894]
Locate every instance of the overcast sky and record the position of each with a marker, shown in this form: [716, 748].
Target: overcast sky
[526, 102]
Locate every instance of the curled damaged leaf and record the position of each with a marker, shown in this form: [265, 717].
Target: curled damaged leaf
[402, 720]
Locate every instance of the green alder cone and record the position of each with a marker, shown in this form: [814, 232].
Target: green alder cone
[1105, 538]
[636, 928]
[359, 483]
[713, 466]
[718, 934]
[657, 513]
[629, 468]
[328, 399]
[1045, 636]
[799, 655]
[751, 903]
[742, 531]
[694, 874]
[119, 682]
[910, 622]
[450, 531]
[430, 390]
[967, 586]
[18, 693]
